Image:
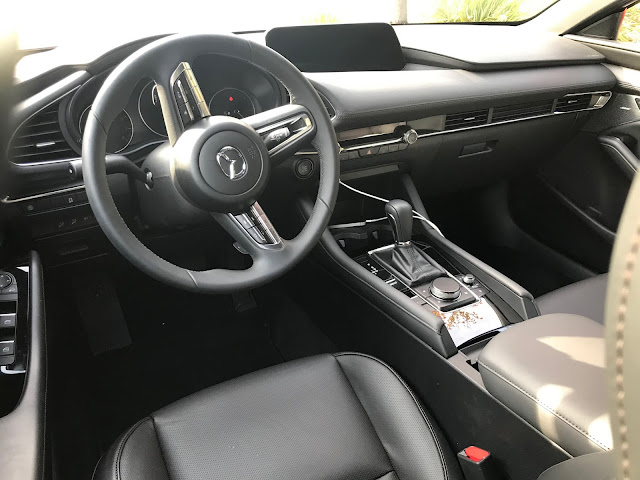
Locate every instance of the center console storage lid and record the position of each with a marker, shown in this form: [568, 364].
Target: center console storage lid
[551, 371]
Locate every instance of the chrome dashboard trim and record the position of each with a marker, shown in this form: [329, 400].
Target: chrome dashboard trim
[605, 96]
[8, 200]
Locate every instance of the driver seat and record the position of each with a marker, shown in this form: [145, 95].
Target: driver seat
[344, 416]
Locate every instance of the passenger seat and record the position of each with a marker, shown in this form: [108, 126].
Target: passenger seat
[585, 298]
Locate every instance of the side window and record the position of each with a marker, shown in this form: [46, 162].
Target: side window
[630, 25]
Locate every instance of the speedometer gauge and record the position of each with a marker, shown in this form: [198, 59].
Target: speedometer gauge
[232, 103]
[120, 132]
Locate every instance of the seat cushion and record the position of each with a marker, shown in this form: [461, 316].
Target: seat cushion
[550, 370]
[585, 298]
[343, 416]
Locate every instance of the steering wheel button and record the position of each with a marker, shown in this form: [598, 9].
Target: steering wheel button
[257, 235]
[5, 280]
[245, 221]
[177, 92]
[185, 114]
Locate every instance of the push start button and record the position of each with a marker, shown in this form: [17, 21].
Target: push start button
[303, 168]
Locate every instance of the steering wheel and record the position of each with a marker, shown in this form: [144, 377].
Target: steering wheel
[218, 165]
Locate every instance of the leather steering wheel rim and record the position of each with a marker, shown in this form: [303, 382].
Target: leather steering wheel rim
[158, 61]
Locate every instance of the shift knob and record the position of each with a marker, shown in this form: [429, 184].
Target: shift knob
[400, 216]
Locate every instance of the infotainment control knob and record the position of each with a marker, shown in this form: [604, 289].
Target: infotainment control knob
[445, 288]
[410, 137]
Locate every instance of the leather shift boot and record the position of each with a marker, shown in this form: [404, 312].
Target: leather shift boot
[408, 263]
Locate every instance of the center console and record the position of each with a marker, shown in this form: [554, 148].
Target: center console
[455, 297]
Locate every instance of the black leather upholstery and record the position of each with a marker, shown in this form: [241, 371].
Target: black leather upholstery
[408, 263]
[347, 416]
[585, 298]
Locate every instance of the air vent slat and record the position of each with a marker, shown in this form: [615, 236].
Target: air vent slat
[521, 110]
[573, 103]
[50, 132]
[40, 139]
[466, 119]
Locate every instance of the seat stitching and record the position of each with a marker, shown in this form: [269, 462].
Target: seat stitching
[122, 443]
[621, 322]
[155, 431]
[367, 415]
[547, 407]
[413, 397]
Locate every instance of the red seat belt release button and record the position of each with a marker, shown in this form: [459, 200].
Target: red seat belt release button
[478, 464]
[476, 454]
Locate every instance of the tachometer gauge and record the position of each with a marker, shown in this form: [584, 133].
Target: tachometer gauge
[150, 109]
[120, 132]
[232, 103]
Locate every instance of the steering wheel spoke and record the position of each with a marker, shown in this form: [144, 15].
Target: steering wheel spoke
[284, 130]
[181, 100]
[252, 229]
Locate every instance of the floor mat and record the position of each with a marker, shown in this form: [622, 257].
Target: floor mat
[181, 343]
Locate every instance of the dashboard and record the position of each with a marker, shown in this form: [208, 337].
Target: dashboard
[230, 87]
[453, 123]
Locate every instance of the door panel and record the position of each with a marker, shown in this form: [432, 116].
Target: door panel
[574, 201]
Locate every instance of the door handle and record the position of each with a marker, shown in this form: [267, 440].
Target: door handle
[620, 154]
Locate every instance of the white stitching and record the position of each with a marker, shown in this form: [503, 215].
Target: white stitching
[619, 365]
[547, 407]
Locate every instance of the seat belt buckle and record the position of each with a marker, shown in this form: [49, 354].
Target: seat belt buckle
[477, 464]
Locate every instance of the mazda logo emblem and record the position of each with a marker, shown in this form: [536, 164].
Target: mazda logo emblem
[232, 162]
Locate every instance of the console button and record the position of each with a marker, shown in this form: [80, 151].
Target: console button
[469, 279]
[383, 149]
[8, 321]
[82, 197]
[445, 288]
[69, 199]
[57, 201]
[30, 206]
[7, 348]
[402, 146]
[368, 152]
[59, 224]
[353, 155]
[418, 299]
[5, 280]
[393, 148]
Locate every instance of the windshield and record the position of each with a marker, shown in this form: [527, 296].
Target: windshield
[47, 23]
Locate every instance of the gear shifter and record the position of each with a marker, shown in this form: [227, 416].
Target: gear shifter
[406, 261]
[400, 216]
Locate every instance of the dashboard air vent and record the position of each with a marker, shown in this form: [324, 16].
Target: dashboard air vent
[456, 121]
[522, 110]
[572, 103]
[39, 139]
[327, 104]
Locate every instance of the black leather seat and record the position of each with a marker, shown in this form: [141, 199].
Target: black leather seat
[585, 298]
[344, 416]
